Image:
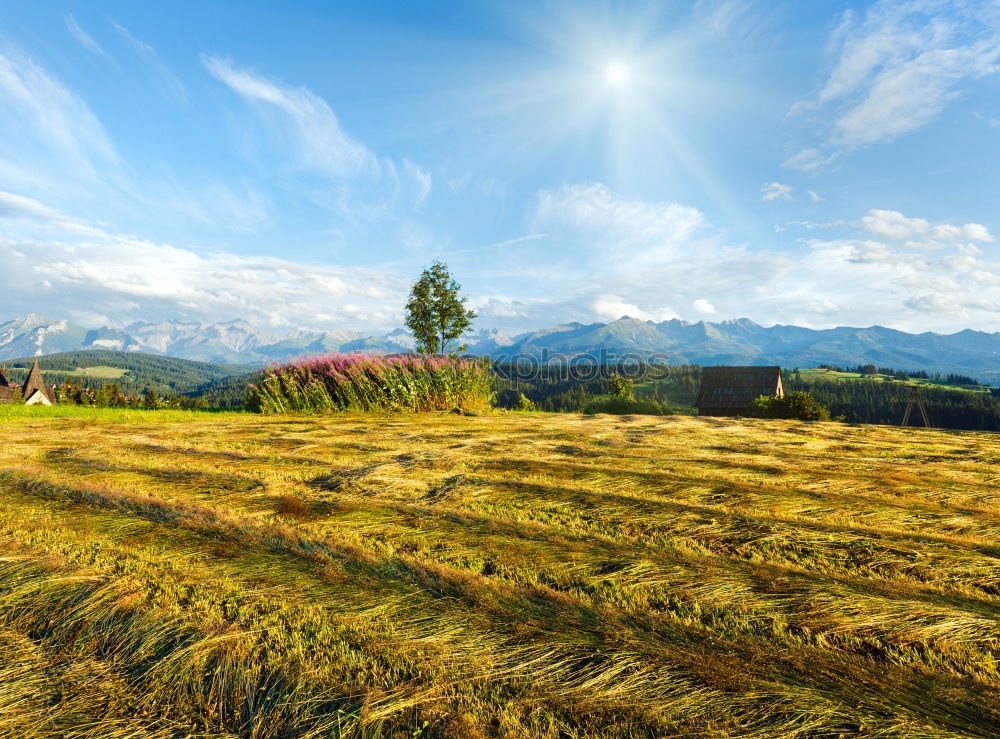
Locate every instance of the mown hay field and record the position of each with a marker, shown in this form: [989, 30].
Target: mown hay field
[169, 574]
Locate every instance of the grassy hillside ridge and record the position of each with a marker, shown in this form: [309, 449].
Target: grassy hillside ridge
[101, 372]
[550, 575]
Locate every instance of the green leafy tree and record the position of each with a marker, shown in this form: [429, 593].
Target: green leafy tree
[151, 401]
[435, 312]
[75, 392]
[110, 396]
[622, 387]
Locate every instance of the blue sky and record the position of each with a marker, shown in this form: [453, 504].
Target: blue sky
[298, 163]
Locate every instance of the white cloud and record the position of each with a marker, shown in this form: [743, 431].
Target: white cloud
[897, 68]
[933, 304]
[323, 145]
[628, 257]
[86, 40]
[893, 225]
[643, 229]
[48, 132]
[740, 20]
[654, 257]
[815, 196]
[18, 207]
[131, 279]
[808, 159]
[55, 146]
[315, 139]
[613, 307]
[821, 307]
[775, 191]
[169, 81]
[420, 177]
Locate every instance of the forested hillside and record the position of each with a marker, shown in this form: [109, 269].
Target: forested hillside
[142, 372]
[857, 400]
[870, 401]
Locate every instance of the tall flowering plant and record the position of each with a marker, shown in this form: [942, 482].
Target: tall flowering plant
[372, 383]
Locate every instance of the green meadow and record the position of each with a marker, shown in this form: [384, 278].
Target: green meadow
[101, 372]
[185, 574]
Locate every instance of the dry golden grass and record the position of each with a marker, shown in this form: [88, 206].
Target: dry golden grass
[518, 575]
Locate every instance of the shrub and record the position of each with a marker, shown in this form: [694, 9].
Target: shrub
[798, 405]
[335, 383]
[524, 403]
[626, 406]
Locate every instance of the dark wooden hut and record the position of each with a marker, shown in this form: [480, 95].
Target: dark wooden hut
[729, 391]
[7, 393]
[35, 391]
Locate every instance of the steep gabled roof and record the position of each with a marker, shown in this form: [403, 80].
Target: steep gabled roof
[35, 382]
[737, 387]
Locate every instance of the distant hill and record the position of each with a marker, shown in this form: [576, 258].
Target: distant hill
[137, 372]
[738, 341]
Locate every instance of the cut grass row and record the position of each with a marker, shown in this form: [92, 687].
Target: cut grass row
[523, 575]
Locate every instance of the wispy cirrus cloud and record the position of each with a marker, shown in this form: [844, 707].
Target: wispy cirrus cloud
[55, 146]
[896, 68]
[47, 129]
[314, 138]
[321, 142]
[165, 77]
[87, 41]
[19, 207]
[644, 229]
[744, 21]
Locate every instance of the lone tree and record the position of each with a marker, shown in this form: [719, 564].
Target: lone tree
[435, 312]
[622, 387]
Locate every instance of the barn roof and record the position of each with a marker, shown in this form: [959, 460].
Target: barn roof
[35, 382]
[736, 387]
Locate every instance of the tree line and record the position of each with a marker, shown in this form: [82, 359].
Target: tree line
[949, 378]
[675, 388]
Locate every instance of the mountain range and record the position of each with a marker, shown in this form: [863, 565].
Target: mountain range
[738, 341]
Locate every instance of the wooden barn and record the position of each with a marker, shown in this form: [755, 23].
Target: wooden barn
[7, 393]
[729, 391]
[35, 392]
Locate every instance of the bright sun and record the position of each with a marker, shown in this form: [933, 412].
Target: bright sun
[616, 74]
